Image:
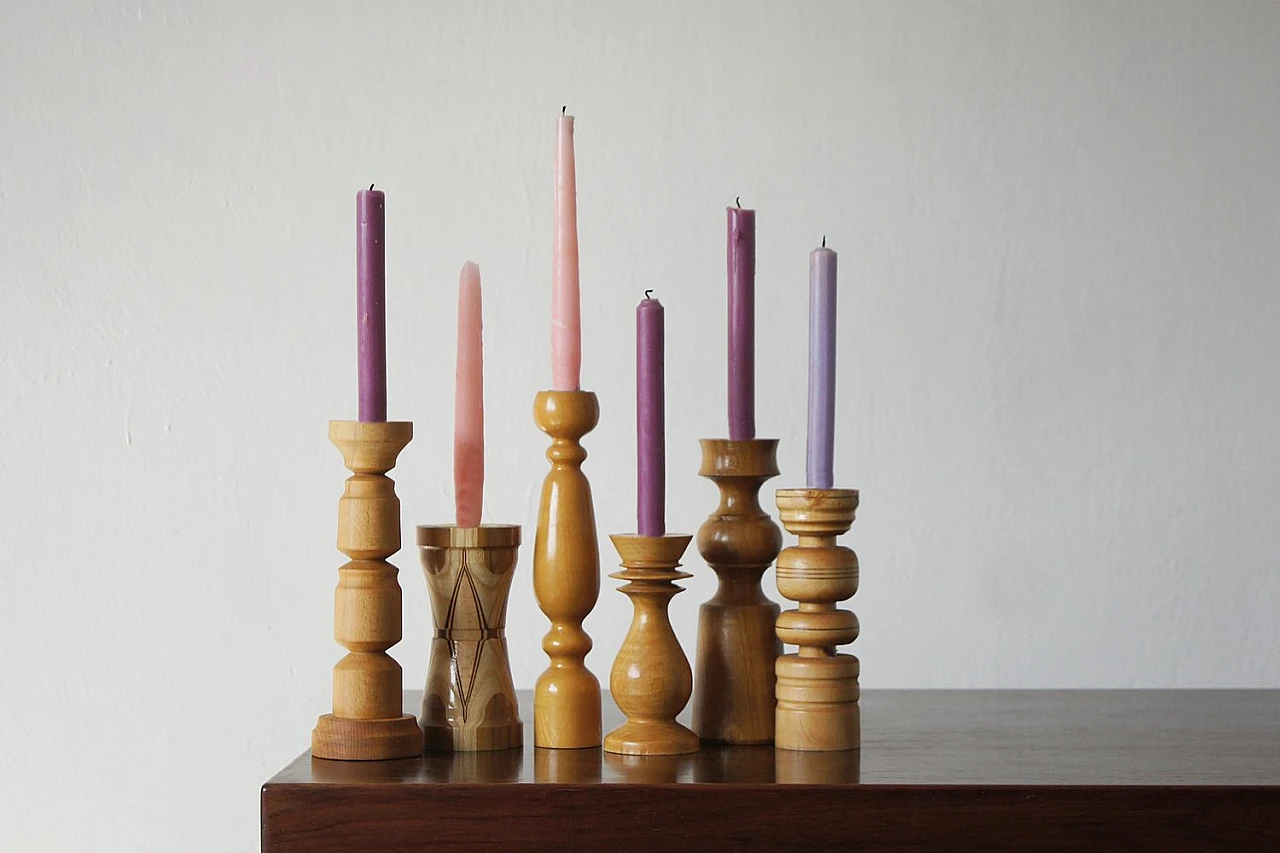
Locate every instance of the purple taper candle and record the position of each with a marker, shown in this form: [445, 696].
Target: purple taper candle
[371, 303]
[651, 441]
[742, 324]
[819, 465]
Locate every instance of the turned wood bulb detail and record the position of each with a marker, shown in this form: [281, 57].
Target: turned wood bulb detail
[817, 687]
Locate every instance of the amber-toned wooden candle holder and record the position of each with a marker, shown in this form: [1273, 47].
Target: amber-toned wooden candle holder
[367, 723]
[818, 688]
[651, 679]
[733, 697]
[566, 575]
[469, 704]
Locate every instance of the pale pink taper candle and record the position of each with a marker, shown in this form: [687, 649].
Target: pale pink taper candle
[566, 313]
[468, 405]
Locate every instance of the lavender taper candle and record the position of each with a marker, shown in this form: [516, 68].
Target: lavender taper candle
[819, 464]
[742, 323]
[371, 305]
[651, 442]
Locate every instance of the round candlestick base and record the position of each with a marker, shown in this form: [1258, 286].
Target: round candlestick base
[366, 740]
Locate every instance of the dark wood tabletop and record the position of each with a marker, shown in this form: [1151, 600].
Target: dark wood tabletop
[957, 770]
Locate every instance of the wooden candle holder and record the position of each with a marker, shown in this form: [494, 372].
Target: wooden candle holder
[469, 704]
[733, 699]
[367, 723]
[566, 575]
[818, 688]
[651, 679]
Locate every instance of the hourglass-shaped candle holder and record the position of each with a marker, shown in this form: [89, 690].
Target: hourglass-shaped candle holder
[817, 687]
[651, 679]
[566, 575]
[469, 703]
[733, 698]
[367, 723]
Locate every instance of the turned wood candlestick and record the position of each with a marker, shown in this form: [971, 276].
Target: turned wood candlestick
[469, 704]
[733, 698]
[367, 722]
[566, 575]
[651, 680]
[817, 688]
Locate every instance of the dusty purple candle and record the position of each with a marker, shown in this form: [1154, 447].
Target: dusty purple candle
[371, 303]
[742, 324]
[651, 406]
[822, 368]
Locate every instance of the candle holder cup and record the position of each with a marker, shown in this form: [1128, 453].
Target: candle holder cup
[817, 688]
[469, 703]
[367, 722]
[566, 575]
[733, 699]
[651, 679]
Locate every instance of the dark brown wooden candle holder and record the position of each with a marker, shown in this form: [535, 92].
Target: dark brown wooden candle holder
[733, 698]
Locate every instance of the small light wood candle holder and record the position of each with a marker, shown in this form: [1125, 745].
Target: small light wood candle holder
[469, 703]
[367, 723]
[651, 679]
[733, 699]
[566, 575]
[818, 688]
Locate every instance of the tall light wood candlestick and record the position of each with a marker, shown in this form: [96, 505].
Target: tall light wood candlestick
[469, 704]
[651, 679]
[566, 575]
[818, 688]
[733, 698]
[367, 722]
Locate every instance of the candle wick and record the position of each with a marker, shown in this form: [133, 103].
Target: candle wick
[738, 202]
[370, 187]
[824, 241]
[563, 107]
[646, 294]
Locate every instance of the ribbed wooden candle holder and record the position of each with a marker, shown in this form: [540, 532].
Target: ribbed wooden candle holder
[817, 688]
[566, 575]
[469, 703]
[651, 679]
[367, 723]
[733, 699]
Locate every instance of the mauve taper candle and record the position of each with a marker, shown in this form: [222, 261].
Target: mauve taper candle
[371, 303]
[819, 463]
[651, 442]
[742, 324]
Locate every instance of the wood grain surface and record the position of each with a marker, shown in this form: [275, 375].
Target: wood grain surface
[938, 770]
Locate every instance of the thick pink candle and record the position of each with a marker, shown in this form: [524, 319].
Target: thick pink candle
[651, 405]
[742, 324]
[566, 313]
[468, 403]
[371, 305]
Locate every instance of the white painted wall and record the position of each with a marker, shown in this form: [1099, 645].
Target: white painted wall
[1058, 226]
